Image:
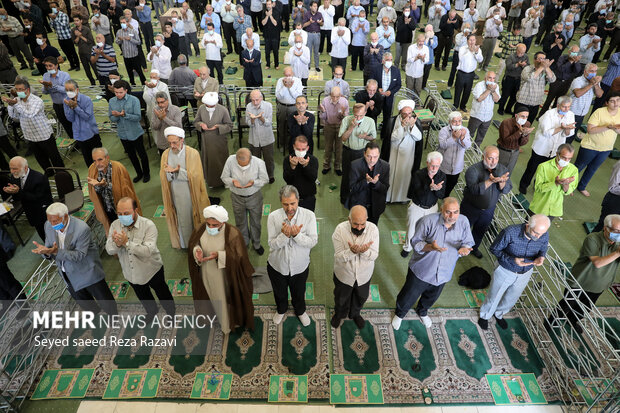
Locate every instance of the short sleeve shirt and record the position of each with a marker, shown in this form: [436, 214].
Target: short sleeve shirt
[603, 141]
[590, 278]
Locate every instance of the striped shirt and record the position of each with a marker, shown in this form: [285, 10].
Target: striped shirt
[32, 118]
[61, 25]
[129, 47]
[103, 65]
[13, 24]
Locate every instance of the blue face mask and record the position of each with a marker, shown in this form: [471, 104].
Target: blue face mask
[608, 21]
[213, 231]
[561, 112]
[58, 227]
[615, 237]
[126, 220]
[590, 75]
[52, 71]
[21, 95]
[124, 25]
[574, 54]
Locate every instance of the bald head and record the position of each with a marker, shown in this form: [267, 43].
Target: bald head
[450, 211]
[358, 217]
[490, 157]
[288, 71]
[243, 156]
[18, 166]
[335, 93]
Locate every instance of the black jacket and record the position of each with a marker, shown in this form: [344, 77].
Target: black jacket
[359, 189]
[302, 178]
[395, 83]
[252, 72]
[404, 32]
[419, 188]
[35, 196]
[362, 97]
[295, 129]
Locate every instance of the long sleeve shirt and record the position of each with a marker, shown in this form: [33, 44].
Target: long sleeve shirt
[386, 42]
[82, 118]
[288, 95]
[532, 89]
[144, 15]
[127, 127]
[341, 83]
[359, 32]
[565, 69]
[11, 23]
[435, 267]
[103, 26]
[483, 110]
[302, 177]
[420, 190]
[57, 90]
[261, 131]
[240, 24]
[510, 136]
[291, 255]
[213, 18]
[453, 151]
[546, 142]
[367, 126]
[548, 195]
[512, 69]
[334, 112]
[161, 61]
[174, 117]
[476, 193]
[340, 44]
[415, 66]
[613, 69]
[256, 171]
[350, 267]
[129, 47]
[32, 118]
[139, 257]
[306, 129]
[468, 60]
[512, 242]
[586, 51]
[212, 50]
[470, 18]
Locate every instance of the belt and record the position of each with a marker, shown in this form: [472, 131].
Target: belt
[507, 150]
[466, 73]
[245, 196]
[491, 37]
[285, 104]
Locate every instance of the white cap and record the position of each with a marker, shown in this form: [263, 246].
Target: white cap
[210, 98]
[406, 104]
[216, 212]
[175, 131]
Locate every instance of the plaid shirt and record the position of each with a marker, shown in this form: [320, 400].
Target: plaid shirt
[105, 191]
[129, 47]
[532, 90]
[507, 40]
[13, 24]
[512, 243]
[32, 118]
[61, 25]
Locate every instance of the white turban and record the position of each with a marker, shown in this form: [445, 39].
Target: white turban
[210, 98]
[216, 212]
[406, 104]
[176, 131]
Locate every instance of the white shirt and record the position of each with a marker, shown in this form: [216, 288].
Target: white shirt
[302, 33]
[291, 256]
[471, 19]
[212, 51]
[340, 44]
[415, 67]
[244, 38]
[468, 61]
[482, 110]
[61, 240]
[545, 142]
[581, 105]
[161, 61]
[300, 63]
[328, 17]
[289, 95]
[348, 266]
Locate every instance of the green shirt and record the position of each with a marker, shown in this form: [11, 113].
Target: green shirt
[590, 278]
[367, 126]
[548, 196]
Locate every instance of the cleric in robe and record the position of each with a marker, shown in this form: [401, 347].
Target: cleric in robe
[213, 125]
[221, 271]
[404, 142]
[386, 138]
[182, 187]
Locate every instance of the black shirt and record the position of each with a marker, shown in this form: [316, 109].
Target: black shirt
[362, 97]
[404, 32]
[302, 177]
[475, 192]
[172, 43]
[447, 29]
[419, 188]
[270, 29]
[295, 129]
[555, 52]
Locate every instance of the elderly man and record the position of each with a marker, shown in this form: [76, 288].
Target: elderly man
[79, 111]
[29, 110]
[389, 83]
[301, 169]
[300, 58]
[533, 81]
[259, 116]
[371, 99]
[12, 28]
[454, 139]
[369, 181]
[418, 55]
[205, 84]
[518, 248]
[183, 78]
[599, 141]
[355, 131]
[133, 239]
[611, 201]
[214, 123]
[183, 187]
[555, 179]
[301, 122]
[385, 33]
[512, 79]
[566, 69]
[405, 26]
[440, 240]
[32, 189]
[244, 175]
[221, 271]
[340, 40]
[150, 89]
[485, 182]
[513, 134]
[160, 56]
[189, 26]
[288, 88]
[292, 233]
[594, 271]
[333, 110]
[129, 41]
[251, 62]
[360, 28]
[426, 188]
[554, 127]
[583, 90]
[124, 110]
[492, 28]
[373, 56]
[108, 182]
[54, 85]
[339, 82]
[69, 242]
[486, 94]
[104, 58]
[469, 57]
[164, 115]
[356, 247]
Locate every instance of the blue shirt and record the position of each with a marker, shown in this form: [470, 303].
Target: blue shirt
[216, 22]
[83, 120]
[179, 28]
[128, 126]
[431, 44]
[512, 243]
[436, 267]
[57, 91]
[144, 15]
[613, 69]
[359, 36]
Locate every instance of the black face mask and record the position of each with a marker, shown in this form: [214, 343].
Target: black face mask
[357, 232]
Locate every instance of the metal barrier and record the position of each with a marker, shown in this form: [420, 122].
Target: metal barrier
[540, 300]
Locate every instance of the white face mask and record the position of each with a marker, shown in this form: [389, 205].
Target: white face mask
[521, 121]
[154, 81]
[298, 45]
[457, 127]
[100, 44]
[300, 154]
[563, 163]
[158, 43]
[71, 95]
[497, 17]
[211, 110]
[406, 13]
[388, 64]
[374, 44]
[40, 42]
[28, 27]
[112, 81]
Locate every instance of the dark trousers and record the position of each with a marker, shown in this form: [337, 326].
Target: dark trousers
[348, 156]
[610, 205]
[451, 181]
[295, 283]
[87, 146]
[308, 202]
[98, 291]
[614, 45]
[339, 12]
[357, 54]
[134, 149]
[10, 290]
[556, 90]
[479, 219]
[229, 34]
[59, 110]
[6, 149]
[571, 307]
[590, 160]
[462, 89]
[147, 32]
[325, 37]
[69, 49]
[578, 123]
[348, 299]
[510, 87]
[133, 64]
[444, 45]
[89, 68]
[599, 102]
[371, 215]
[158, 284]
[427, 72]
[413, 289]
[46, 153]
[340, 61]
[286, 17]
[272, 45]
[216, 65]
[455, 63]
[256, 21]
[530, 171]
